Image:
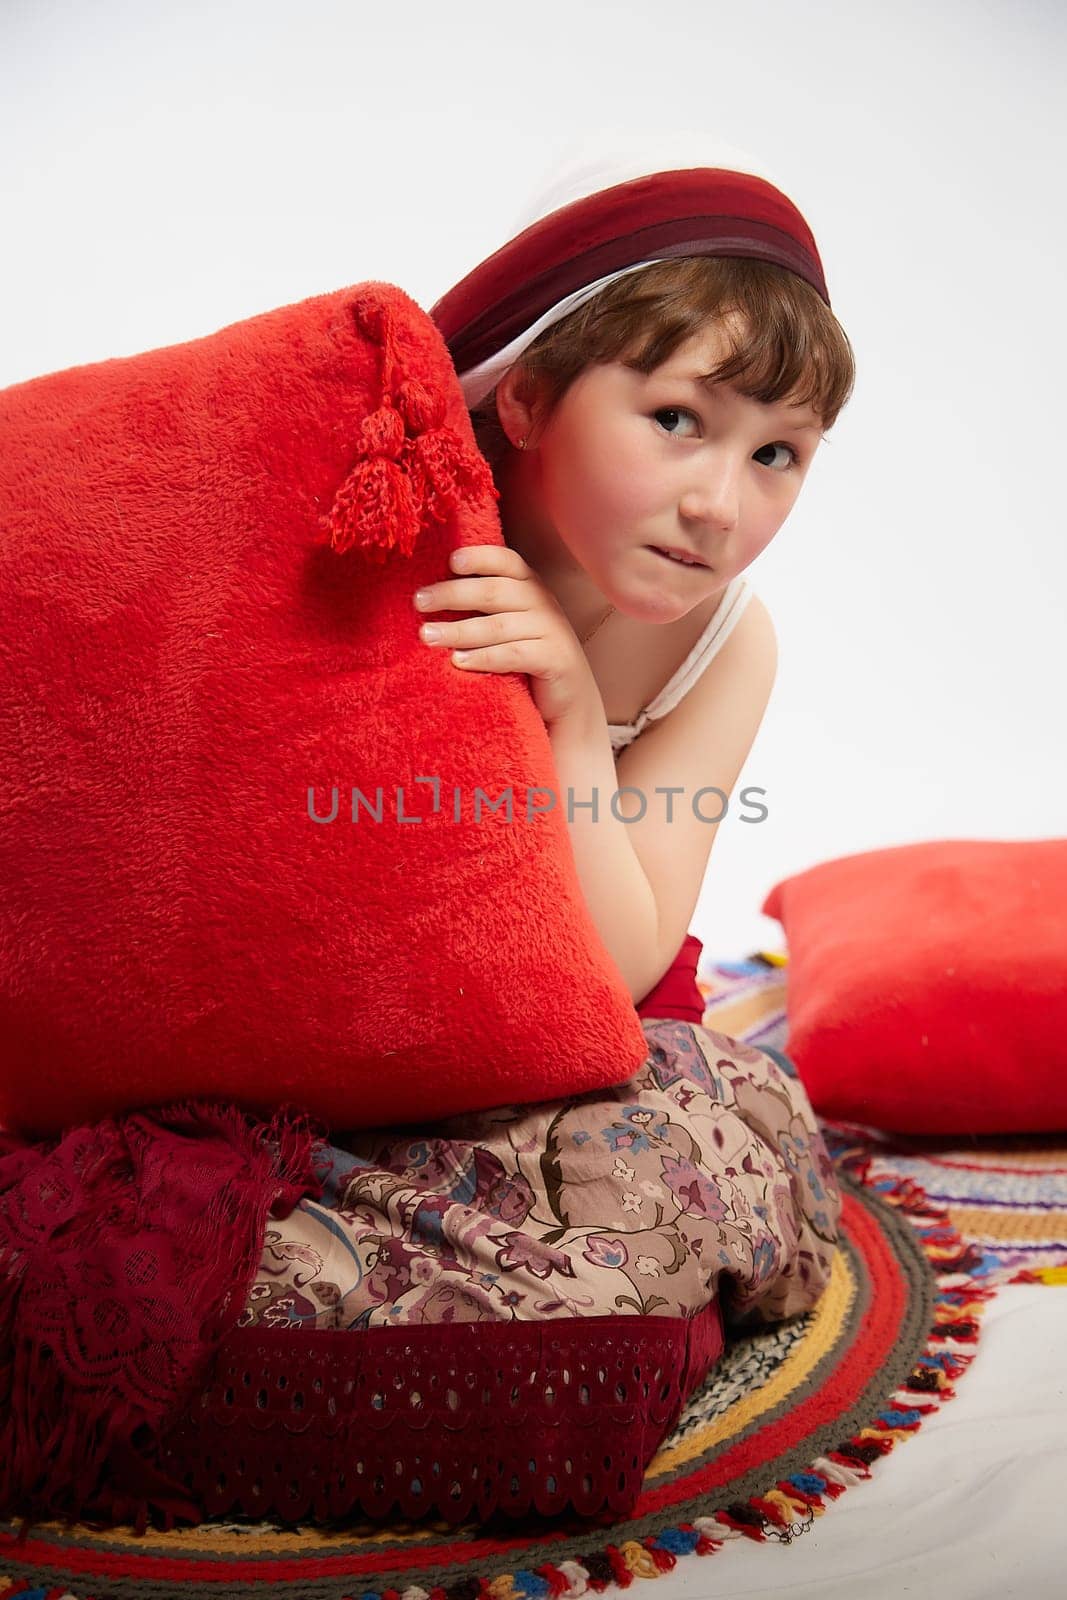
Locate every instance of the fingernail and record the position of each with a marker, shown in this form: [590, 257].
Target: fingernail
[430, 632]
[422, 597]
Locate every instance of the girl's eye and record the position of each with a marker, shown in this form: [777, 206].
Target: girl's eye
[674, 411]
[681, 411]
[794, 459]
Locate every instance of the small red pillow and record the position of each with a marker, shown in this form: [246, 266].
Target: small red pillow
[927, 985]
[208, 648]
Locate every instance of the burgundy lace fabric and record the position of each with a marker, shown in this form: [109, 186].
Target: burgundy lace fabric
[126, 1251]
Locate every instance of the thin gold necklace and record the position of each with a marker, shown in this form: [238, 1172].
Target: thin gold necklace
[585, 637]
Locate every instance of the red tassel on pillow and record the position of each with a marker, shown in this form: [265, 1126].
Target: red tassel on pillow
[375, 508]
[400, 483]
[444, 471]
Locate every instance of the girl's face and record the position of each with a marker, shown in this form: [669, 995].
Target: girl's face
[628, 462]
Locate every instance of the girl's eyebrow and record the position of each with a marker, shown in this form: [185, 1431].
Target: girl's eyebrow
[700, 380]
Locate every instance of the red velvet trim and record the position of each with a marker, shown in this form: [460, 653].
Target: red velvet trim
[452, 1419]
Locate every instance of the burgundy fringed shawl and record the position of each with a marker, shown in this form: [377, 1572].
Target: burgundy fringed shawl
[127, 1249]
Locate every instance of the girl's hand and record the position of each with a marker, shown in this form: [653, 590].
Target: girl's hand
[524, 628]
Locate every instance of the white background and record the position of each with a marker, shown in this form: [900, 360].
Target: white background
[170, 169]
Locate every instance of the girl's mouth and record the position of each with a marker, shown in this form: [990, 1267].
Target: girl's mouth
[679, 560]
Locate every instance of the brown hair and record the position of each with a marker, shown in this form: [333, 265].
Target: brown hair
[788, 345]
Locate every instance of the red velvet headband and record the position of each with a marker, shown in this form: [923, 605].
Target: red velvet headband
[698, 212]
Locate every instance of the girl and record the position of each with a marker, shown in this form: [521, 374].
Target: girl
[649, 367]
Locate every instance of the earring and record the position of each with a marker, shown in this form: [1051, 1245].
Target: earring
[522, 444]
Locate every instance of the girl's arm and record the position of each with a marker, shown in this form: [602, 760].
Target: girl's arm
[702, 744]
[642, 870]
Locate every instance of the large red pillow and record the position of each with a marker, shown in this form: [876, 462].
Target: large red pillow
[927, 985]
[207, 640]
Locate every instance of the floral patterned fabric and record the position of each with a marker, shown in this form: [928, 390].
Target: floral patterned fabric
[704, 1174]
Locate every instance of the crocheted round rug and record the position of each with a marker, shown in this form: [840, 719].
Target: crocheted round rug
[787, 1420]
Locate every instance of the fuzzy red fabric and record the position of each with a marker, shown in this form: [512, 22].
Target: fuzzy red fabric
[927, 985]
[126, 1254]
[207, 642]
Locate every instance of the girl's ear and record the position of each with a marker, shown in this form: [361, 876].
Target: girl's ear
[516, 404]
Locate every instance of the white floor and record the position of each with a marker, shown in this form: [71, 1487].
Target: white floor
[973, 1506]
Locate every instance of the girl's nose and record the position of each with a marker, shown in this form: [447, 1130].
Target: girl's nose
[715, 499]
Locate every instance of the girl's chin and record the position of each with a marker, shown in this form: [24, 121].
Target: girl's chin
[651, 588]
[666, 589]
[658, 606]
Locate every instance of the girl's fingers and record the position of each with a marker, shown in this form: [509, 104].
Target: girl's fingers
[489, 558]
[512, 655]
[480, 594]
[503, 627]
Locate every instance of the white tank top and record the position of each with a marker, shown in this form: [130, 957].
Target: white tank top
[735, 598]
